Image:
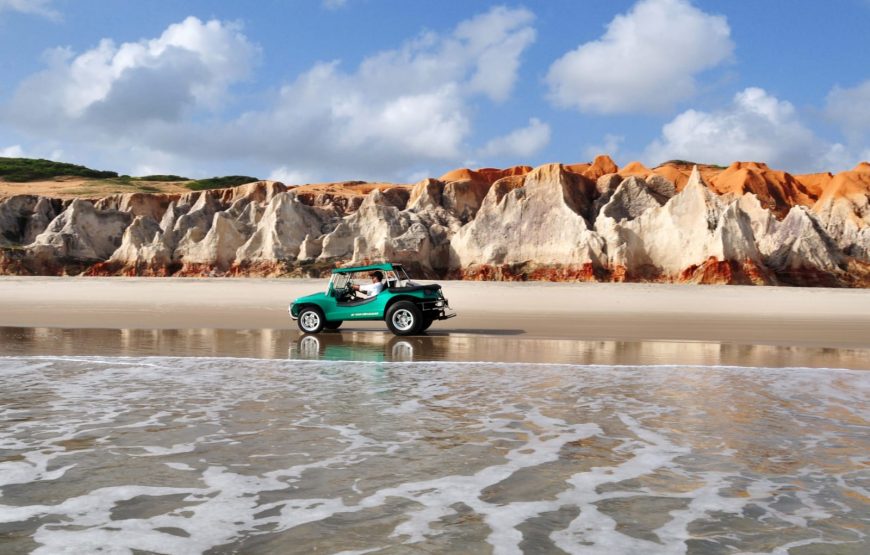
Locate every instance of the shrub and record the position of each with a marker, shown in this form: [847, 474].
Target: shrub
[220, 182]
[20, 170]
[163, 178]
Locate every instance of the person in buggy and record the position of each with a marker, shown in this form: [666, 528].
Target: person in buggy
[372, 289]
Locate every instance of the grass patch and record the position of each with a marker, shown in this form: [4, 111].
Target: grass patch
[22, 170]
[220, 182]
[121, 180]
[162, 178]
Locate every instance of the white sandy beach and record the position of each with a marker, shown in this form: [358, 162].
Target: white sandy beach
[732, 314]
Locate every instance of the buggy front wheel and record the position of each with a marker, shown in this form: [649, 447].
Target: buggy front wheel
[311, 320]
[404, 318]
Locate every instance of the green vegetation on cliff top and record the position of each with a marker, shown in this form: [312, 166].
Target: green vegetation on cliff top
[220, 182]
[22, 170]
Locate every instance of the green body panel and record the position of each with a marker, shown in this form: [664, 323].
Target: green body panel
[374, 310]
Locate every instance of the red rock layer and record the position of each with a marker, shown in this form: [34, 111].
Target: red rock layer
[529, 272]
[727, 272]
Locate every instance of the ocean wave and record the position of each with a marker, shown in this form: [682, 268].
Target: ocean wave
[184, 455]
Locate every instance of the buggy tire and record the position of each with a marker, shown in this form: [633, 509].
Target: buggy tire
[404, 318]
[311, 320]
[333, 324]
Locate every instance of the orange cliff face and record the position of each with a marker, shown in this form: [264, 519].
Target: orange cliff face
[578, 222]
[602, 165]
[815, 183]
[678, 172]
[844, 206]
[636, 169]
[777, 191]
[488, 175]
[853, 183]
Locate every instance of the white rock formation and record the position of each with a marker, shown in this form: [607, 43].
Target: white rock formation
[192, 226]
[844, 211]
[14, 214]
[82, 232]
[546, 220]
[42, 215]
[143, 246]
[803, 244]
[137, 204]
[539, 221]
[692, 227]
[379, 230]
[280, 231]
[217, 249]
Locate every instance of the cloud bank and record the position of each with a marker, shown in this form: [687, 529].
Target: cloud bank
[519, 143]
[755, 126]
[646, 61]
[397, 109]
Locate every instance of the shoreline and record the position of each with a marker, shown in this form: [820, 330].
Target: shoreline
[373, 346]
[783, 316]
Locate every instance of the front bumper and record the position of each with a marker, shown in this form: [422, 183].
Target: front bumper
[290, 311]
[438, 309]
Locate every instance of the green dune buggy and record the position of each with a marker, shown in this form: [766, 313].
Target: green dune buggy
[406, 307]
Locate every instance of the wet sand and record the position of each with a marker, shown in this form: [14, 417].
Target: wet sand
[809, 317]
[379, 346]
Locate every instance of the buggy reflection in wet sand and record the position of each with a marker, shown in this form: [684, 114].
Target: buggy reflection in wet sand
[406, 307]
[361, 347]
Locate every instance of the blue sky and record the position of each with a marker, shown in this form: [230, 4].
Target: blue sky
[398, 90]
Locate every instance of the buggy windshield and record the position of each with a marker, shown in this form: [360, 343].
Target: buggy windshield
[392, 278]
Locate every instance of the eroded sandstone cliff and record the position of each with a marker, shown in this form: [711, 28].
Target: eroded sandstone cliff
[745, 224]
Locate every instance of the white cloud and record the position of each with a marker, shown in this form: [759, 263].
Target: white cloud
[36, 7]
[610, 146]
[495, 41]
[850, 108]
[396, 112]
[755, 126]
[14, 151]
[399, 108]
[150, 161]
[646, 61]
[111, 86]
[288, 176]
[333, 5]
[524, 141]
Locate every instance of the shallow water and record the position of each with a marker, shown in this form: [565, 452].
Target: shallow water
[378, 346]
[223, 455]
